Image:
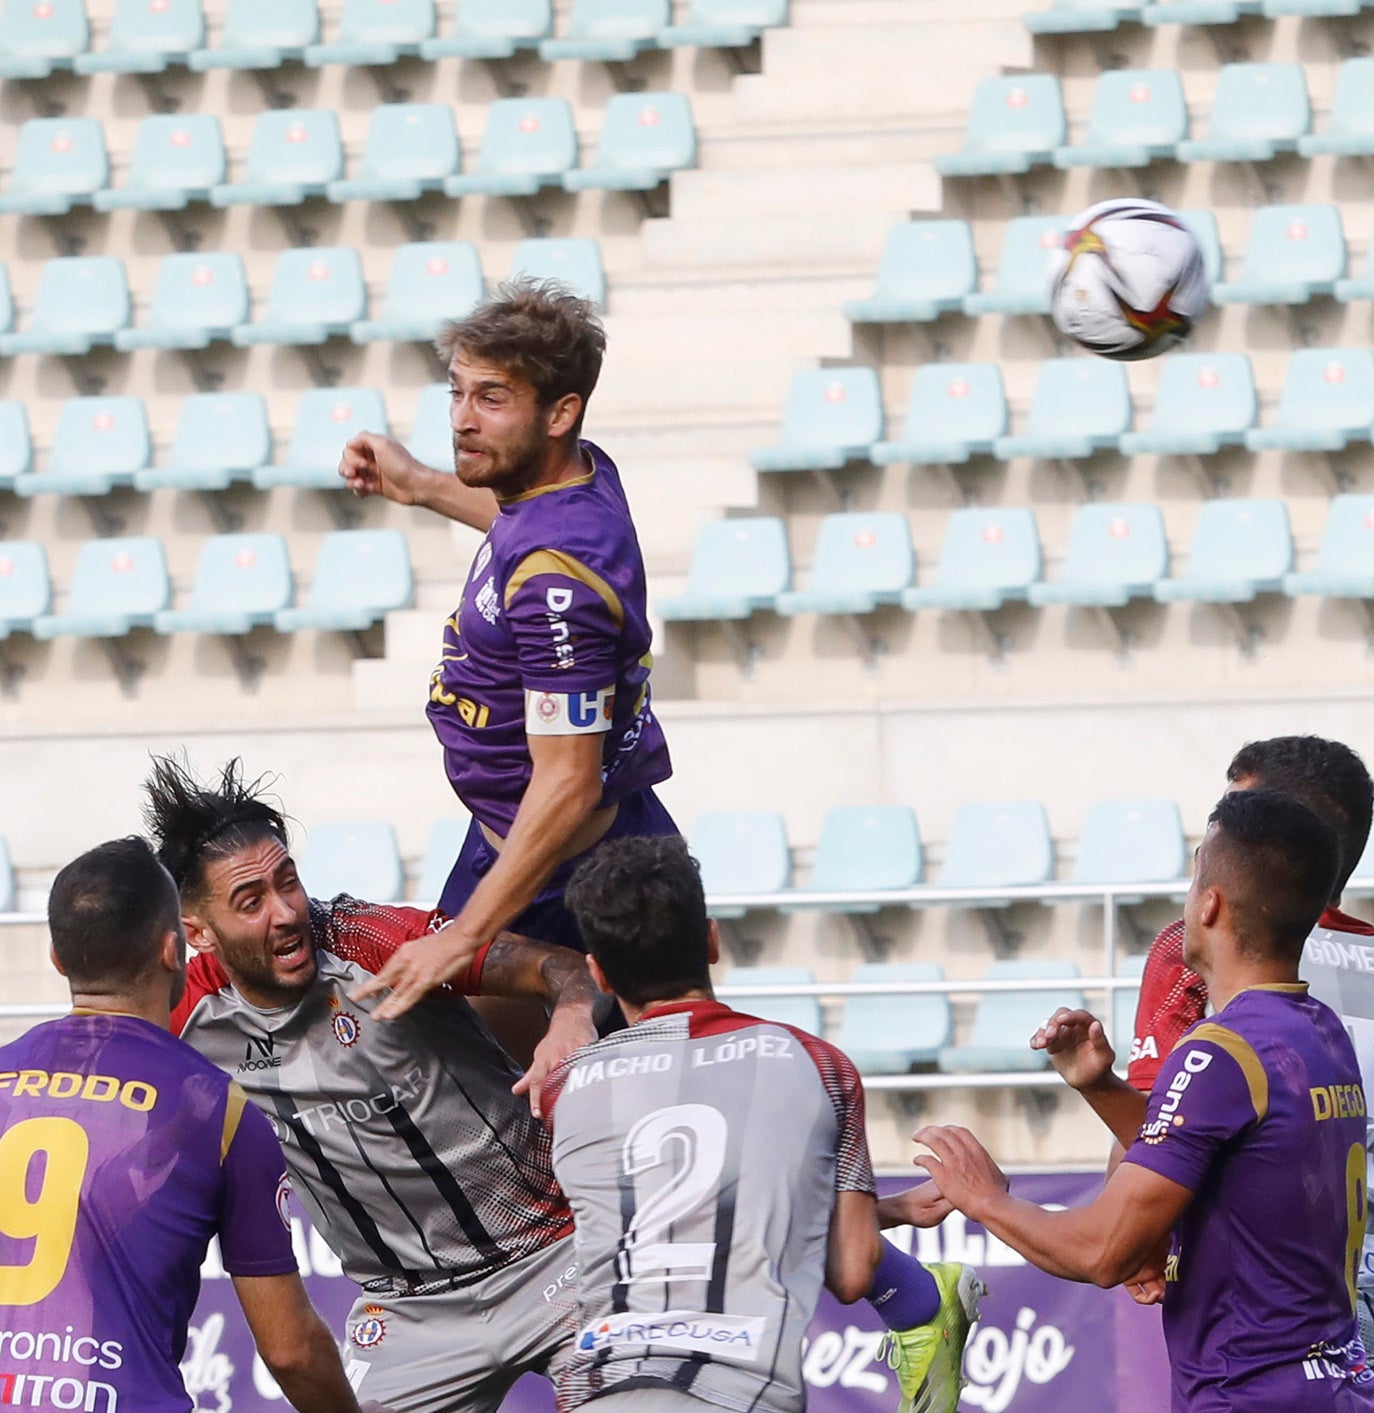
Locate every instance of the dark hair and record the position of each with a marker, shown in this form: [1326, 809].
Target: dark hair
[108, 912]
[1276, 862]
[539, 329]
[1326, 776]
[642, 912]
[192, 824]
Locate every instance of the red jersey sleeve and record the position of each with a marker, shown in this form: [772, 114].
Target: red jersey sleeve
[370, 933]
[204, 977]
[853, 1165]
[1172, 999]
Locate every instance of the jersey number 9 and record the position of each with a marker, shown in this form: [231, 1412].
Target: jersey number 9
[48, 1216]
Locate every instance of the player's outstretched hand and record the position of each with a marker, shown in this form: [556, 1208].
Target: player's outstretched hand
[414, 969]
[570, 1028]
[1077, 1046]
[964, 1169]
[921, 1206]
[376, 465]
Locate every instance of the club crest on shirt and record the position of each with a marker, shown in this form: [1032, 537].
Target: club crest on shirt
[483, 559]
[346, 1029]
[370, 1331]
[284, 1200]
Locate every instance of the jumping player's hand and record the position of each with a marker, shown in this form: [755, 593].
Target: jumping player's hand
[1077, 1046]
[414, 969]
[570, 1028]
[962, 1167]
[373, 464]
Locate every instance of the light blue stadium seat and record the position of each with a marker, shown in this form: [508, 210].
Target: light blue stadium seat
[100, 442]
[7, 890]
[431, 430]
[82, 301]
[360, 577]
[1198, 12]
[998, 844]
[493, 29]
[38, 36]
[528, 143]
[1345, 560]
[865, 848]
[1313, 8]
[893, 1034]
[610, 30]
[723, 24]
[1241, 548]
[1080, 406]
[645, 137]
[118, 585]
[316, 294]
[326, 418]
[927, 268]
[803, 1012]
[740, 852]
[988, 558]
[832, 417]
[177, 159]
[6, 302]
[1327, 402]
[1258, 111]
[738, 567]
[1021, 283]
[376, 32]
[1125, 1001]
[1364, 869]
[1014, 124]
[410, 149]
[574, 261]
[1205, 401]
[16, 446]
[1131, 841]
[1081, 16]
[220, 438]
[146, 37]
[261, 34]
[446, 838]
[1350, 130]
[359, 857]
[431, 283]
[1004, 1021]
[1360, 286]
[1295, 253]
[241, 581]
[955, 411]
[863, 559]
[25, 588]
[1116, 553]
[1203, 225]
[1138, 116]
[59, 163]
[294, 153]
[197, 300]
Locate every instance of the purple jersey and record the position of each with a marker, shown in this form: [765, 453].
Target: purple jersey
[1259, 1112]
[122, 1153]
[551, 638]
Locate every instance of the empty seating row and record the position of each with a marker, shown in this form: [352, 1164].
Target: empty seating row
[297, 153]
[1088, 16]
[241, 582]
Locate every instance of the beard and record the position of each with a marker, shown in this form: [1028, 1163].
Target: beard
[507, 470]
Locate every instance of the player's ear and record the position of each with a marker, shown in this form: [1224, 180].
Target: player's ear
[57, 965]
[599, 976]
[563, 415]
[199, 936]
[712, 941]
[1210, 906]
[173, 951]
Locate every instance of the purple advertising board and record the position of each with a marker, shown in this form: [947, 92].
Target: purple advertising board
[1041, 1346]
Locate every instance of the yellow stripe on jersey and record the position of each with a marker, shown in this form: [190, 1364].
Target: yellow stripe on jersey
[584, 480]
[1243, 1054]
[233, 1112]
[547, 561]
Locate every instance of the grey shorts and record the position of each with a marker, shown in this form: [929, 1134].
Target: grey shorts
[460, 1351]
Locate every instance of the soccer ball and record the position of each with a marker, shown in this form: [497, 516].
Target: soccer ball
[1128, 281]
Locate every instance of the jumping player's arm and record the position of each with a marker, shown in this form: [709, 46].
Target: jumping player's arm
[851, 1254]
[854, 1246]
[373, 464]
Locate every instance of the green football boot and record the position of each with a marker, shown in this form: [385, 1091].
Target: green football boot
[929, 1359]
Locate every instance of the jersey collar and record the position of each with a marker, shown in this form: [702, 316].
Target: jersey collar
[702, 1009]
[1334, 920]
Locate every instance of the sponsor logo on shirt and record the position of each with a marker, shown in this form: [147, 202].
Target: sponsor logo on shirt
[488, 601]
[22, 1346]
[370, 1331]
[558, 602]
[1144, 1047]
[1168, 1117]
[259, 1054]
[734, 1337]
[569, 713]
[45, 1391]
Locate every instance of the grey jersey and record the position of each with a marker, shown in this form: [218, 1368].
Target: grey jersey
[701, 1151]
[413, 1157]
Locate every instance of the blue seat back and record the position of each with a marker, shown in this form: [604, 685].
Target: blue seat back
[995, 549]
[1125, 1001]
[60, 157]
[1023, 269]
[81, 294]
[1203, 225]
[1302, 243]
[242, 574]
[867, 847]
[322, 284]
[927, 260]
[1131, 841]
[219, 431]
[571, 260]
[746, 556]
[832, 407]
[742, 851]
[1138, 106]
[52, 29]
[1328, 389]
[504, 19]
[431, 430]
[653, 130]
[1205, 392]
[438, 279]
[804, 1012]
[119, 576]
[617, 19]
[386, 21]
[6, 302]
[528, 135]
[101, 434]
[157, 27]
[25, 589]
[441, 853]
[1008, 1018]
[272, 24]
[1260, 101]
[359, 857]
[1085, 397]
[16, 444]
[1241, 539]
[1352, 105]
[177, 151]
[863, 551]
[363, 569]
[417, 141]
[998, 844]
[1020, 114]
[295, 145]
[957, 402]
[326, 418]
[195, 291]
[903, 1026]
[1347, 546]
[761, 14]
[1114, 544]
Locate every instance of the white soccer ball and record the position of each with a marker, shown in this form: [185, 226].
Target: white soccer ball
[1129, 280]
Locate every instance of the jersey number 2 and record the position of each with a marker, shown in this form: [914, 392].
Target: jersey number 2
[48, 1216]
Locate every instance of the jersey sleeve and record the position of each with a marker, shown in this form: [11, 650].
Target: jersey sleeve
[1211, 1088]
[853, 1164]
[1173, 999]
[370, 933]
[254, 1231]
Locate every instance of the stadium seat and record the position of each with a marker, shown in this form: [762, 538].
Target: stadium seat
[1125, 1001]
[376, 32]
[1203, 225]
[893, 1034]
[863, 559]
[572, 260]
[360, 577]
[446, 838]
[1350, 130]
[1205, 401]
[832, 417]
[864, 849]
[1080, 406]
[738, 567]
[988, 558]
[431, 282]
[1241, 548]
[1274, 9]
[1359, 286]
[528, 143]
[998, 844]
[1131, 841]
[146, 37]
[261, 34]
[410, 149]
[1004, 1021]
[6, 302]
[740, 852]
[294, 153]
[7, 891]
[927, 268]
[1081, 16]
[36, 38]
[955, 411]
[1198, 12]
[1364, 869]
[316, 294]
[1258, 111]
[803, 1012]
[325, 419]
[1345, 560]
[1327, 402]
[723, 24]
[241, 581]
[1020, 286]
[59, 163]
[220, 438]
[25, 589]
[610, 30]
[197, 300]
[177, 159]
[1138, 116]
[645, 137]
[100, 442]
[1014, 124]
[117, 586]
[1116, 553]
[1295, 253]
[493, 29]
[431, 431]
[16, 446]
[82, 301]
[359, 858]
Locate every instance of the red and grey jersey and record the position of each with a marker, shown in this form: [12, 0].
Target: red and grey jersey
[701, 1151]
[413, 1157]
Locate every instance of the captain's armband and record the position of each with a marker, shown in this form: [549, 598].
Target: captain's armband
[568, 713]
